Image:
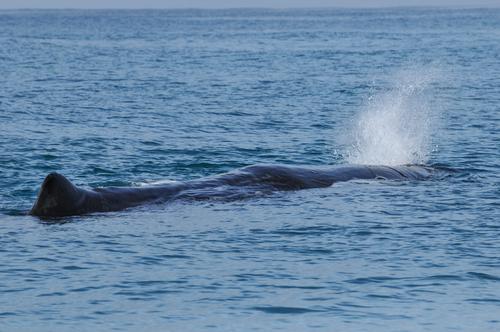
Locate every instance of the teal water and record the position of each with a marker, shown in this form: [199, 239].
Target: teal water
[135, 97]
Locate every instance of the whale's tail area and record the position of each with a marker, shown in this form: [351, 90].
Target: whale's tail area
[57, 197]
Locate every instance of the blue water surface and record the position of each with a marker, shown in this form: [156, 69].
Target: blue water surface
[130, 97]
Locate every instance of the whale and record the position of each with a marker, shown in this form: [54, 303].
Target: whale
[59, 197]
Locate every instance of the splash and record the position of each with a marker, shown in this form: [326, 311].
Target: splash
[395, 126]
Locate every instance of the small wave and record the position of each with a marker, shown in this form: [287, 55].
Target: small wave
[483, 276]
[154, 183]
[284, 310]
[396, 125]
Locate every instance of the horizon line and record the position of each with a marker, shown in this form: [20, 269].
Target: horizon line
[262, 7]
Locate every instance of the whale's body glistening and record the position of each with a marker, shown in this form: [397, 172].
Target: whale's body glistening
[58, 197]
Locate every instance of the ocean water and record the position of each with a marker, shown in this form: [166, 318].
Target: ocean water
[133, 97]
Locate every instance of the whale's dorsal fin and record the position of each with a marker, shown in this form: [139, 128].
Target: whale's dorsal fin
[57, 197]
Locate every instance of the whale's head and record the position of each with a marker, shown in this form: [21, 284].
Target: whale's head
[58, 197]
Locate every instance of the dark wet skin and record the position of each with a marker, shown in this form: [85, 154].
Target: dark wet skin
[58, 197]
